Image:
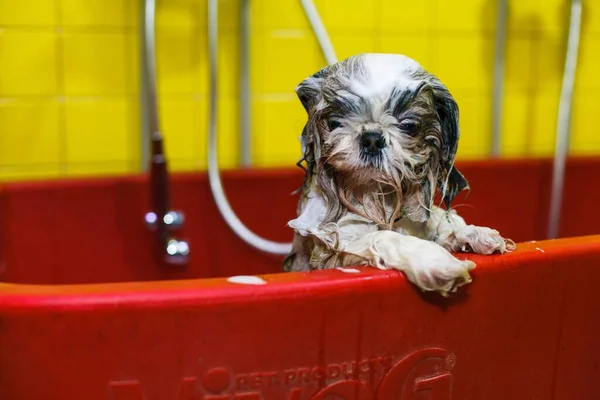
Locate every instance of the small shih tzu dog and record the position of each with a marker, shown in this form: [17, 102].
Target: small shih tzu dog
[380, 141]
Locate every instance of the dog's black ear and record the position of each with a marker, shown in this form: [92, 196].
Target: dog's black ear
[455, 183]
[451, 180]
[309, 91]
[447, 111]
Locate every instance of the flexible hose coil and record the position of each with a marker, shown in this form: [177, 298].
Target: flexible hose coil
[214, 177]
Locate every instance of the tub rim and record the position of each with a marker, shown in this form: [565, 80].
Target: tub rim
[210, 291]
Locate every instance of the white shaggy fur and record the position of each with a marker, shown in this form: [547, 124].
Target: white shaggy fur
[386, 71]
[421, 251]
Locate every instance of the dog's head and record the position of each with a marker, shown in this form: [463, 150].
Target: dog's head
[380, 124]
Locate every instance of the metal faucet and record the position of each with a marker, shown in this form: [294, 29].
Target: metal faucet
[162, 219]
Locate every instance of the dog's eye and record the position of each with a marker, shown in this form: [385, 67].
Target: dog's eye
[333, 123]
[409, 126]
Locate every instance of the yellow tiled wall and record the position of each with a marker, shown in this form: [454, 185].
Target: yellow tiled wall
[69, 82]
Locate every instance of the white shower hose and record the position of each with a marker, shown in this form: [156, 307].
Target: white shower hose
[214, 177]
[563, 124]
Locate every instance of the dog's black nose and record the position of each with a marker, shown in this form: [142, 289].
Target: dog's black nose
[372, 142]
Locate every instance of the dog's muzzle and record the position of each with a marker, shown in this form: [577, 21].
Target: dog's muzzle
[372, 142]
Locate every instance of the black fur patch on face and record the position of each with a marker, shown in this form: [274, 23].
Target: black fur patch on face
[346, 105]
[400, 99]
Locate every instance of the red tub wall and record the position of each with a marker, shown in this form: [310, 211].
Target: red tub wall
[89, 231]
[526, 328]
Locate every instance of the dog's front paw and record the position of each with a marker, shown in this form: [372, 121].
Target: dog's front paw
[481, 240]
[436, 269]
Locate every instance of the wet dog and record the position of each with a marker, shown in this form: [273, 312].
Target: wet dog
[380, 142]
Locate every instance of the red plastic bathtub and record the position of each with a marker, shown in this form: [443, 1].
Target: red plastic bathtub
[86, 312]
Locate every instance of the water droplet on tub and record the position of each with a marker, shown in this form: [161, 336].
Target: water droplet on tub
[349, 270]
[246, 280]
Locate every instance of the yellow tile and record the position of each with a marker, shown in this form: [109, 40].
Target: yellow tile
[475, 120]
[97, 131]
[178, 14]
[177, 125]
[415, 47]
[27, 63]
[591, 17]
[280, 60]
[229, 12]
[547, 58]
[270, 14]
[585, 120]
[228, 63]
[30, 132]
[134, 142]
[182, 165]
[464, 63]
[228, 133]
[229, 70]
[518, 64]
[28, 12]
[96, 64]
[277, 126]
[517, 124]
[29, 172]
[545, 111]
[587, 78]
[200, 11]
[201, 130]
[133, 12]
[338, 16]
[409, 16]
[132, 62]
[93, 12]
[348, 45]
[473, 15]
[99, 169]
[555, 14]
[174, 62]
[547, 18]
[200, 73]
[175, 13]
